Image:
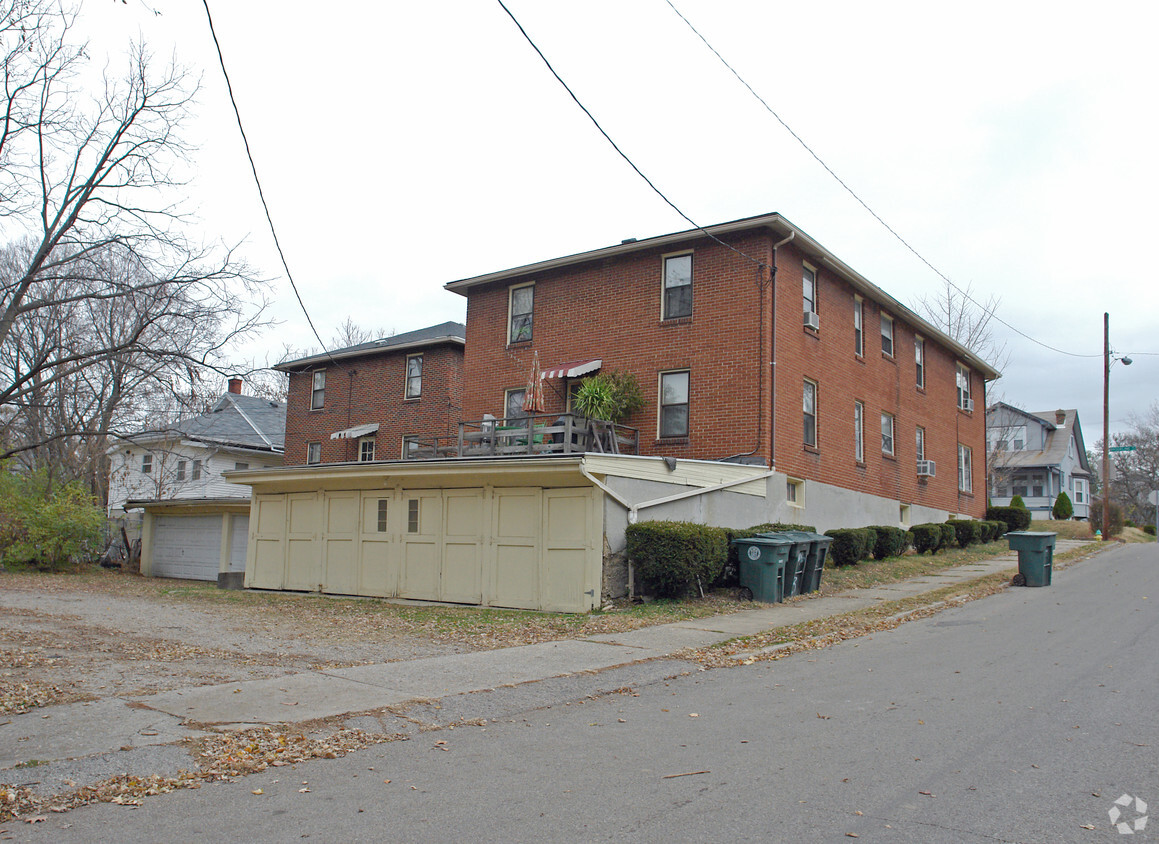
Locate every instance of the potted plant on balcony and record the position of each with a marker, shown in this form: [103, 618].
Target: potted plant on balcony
[609, 396]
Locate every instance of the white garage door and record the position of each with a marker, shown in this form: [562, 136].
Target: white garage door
[187, 546]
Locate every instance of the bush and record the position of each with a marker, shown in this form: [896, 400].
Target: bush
[1096, 519]
[949, 536]
[1017, 501]
[1015, 518]
[992, 530]
[669, 557]
[890, 542]
[1149, 530]
[44, 525]
[850, 545]
[927, 537]
[1062, 509]
[966, 531]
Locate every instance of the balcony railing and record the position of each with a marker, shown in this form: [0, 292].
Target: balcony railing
[534, 434]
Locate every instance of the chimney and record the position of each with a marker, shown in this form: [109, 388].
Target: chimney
[235, 385]
[1060, 416]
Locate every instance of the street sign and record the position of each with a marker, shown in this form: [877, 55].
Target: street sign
[1154, 497]
[1121, 448]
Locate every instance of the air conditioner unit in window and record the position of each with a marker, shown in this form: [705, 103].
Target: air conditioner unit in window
[968, 405]
[926, 468]
[812, 320]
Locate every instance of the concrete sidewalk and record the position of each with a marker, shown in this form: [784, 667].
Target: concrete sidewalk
[90, 729]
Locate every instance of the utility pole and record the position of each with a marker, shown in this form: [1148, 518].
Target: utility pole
[1106, 422]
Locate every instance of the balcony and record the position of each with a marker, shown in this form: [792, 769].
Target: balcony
[532, 435]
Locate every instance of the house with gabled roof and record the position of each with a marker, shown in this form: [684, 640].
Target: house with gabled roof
[194, 523]
[1037, 456]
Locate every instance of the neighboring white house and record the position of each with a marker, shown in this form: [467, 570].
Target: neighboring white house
[1037, 456]
[194, 524]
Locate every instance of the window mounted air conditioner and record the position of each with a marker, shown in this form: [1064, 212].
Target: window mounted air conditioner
[968, 405]
[926, 468]
[812, 320]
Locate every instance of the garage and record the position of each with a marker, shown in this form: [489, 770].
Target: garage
[187, 547]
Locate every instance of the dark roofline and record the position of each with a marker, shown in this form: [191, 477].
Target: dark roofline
[454, 333]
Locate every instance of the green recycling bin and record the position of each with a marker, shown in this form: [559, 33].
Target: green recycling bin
[798, 562]
[762, 566]
[1035, 554]
[815, 563]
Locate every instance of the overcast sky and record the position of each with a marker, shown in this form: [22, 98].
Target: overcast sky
[405, 145]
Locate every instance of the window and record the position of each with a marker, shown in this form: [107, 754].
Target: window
[410, 447]
[903, 514]
[795, 492]
[412, 515]
[147, 464]
[921, 442]
[1020, 486]
[810, 409]
[963, 387]
[314, 453]
[1019, 435]
[318, 390]
[887, 335]
[858, 326]
[887, 433]
[859, 431]
[240, 466]
[965, 469]
[382, 515]
[521, 308]
[513, 404]
[181, 464]
[196, 470]
[677, 287]
[674, 404]
[1080, 491]
[414, 376]
[1036, 485]
[366, 449]
[920, 360]
[809, 285]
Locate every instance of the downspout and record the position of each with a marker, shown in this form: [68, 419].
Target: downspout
[773, 361]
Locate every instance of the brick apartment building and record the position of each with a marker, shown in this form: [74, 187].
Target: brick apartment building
[359, 404]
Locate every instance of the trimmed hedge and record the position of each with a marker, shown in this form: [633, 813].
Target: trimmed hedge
[966, 531]
[1062, 509]
[949, 536]
[1015, 518]
[670, 556]
[927, 537]
[891, 541]
[1017, 501]
[850, 545]
[992, 530]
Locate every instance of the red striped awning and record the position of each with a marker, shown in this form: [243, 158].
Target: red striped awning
[574, 369]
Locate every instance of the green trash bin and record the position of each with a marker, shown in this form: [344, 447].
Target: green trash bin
[762, 566]
[798, 563]
[1035, 554]
[815, 563]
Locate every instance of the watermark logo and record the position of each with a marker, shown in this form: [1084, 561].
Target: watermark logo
[1128, 815]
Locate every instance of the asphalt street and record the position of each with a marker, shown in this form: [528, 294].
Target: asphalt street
[1018, 718]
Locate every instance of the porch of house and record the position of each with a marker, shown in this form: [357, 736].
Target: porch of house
[535, 434]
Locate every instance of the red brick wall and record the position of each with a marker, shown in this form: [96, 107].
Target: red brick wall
[370, 389]
[611, 310]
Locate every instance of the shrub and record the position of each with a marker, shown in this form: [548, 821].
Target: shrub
[850, 545]
[1017, 501]
[609, 395]
[1015, 518]
[670, 556]
[1149, 530]
[927, 537]
[992, 530]
[1062, 508]
[47, 526]
[1115, 526]
[890, 542]
[949, 536]
[966, 531]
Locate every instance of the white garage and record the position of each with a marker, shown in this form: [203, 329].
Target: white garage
[191, 541]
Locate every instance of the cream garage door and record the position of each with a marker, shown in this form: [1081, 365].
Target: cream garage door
[188, 547]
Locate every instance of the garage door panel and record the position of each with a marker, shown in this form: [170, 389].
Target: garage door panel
[378, 553]
[238, 542]
[515, 527]
[303, 563]
[516, 576]
[420, 571]
[339, 548]
[462, 562]
[564, 581]
[269, 565]
[187, 547]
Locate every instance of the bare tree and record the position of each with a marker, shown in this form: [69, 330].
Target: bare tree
[1136, 473]
[102, 297]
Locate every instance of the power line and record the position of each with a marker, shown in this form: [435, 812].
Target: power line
[861, 201]
[616, 146]
[258, 182]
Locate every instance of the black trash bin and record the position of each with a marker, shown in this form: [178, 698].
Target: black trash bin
[1035, 554]
[762, 566]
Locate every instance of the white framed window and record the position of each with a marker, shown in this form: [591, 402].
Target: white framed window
[414, 376]
[196, 472]
[858, 326]
[677, 298]
[314, 453]
[318, 389]
[1080, 490]
[887, 433]
[887, 334]
[674, 404]
[147, 463]
[903, 515]
[513, 403]
[795, 492]
[366, 450]
[181, 464]
[1036, 486]
[859, 431]
[965, 468]
[921, 443]
[520, 313]
[963, 378]
[809, 406]
[809, 288]
[920, 360]
[413, 524]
